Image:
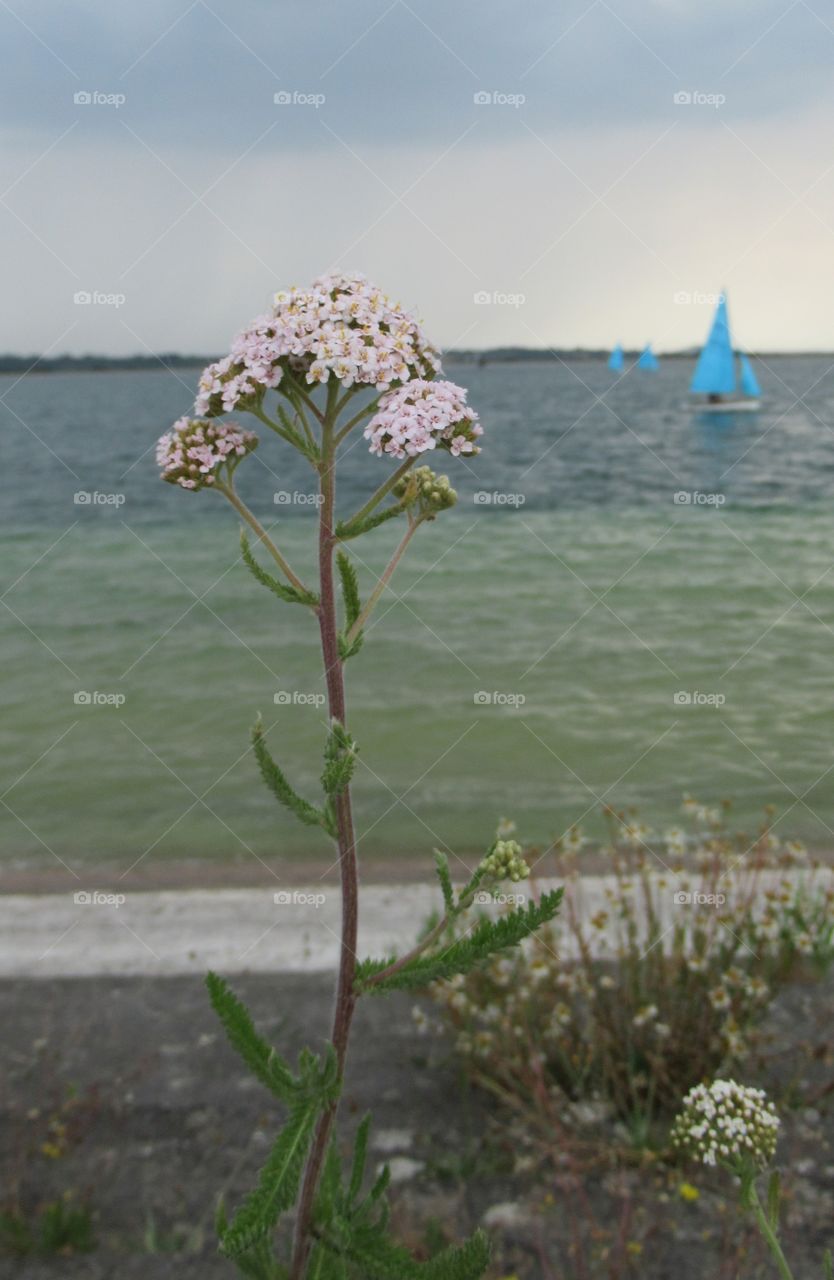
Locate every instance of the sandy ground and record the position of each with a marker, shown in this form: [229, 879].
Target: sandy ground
[93, 929]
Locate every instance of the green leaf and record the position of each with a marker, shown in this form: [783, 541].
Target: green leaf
[350, 589]
[282, 590]
[339, 760]
[460, 956]
[259, 1057]
[352, 528]
[381, 1259]
[279, 1181]
[360, 1153]
[773, 1193]
[350, 650]
[827, 1266]
[280, 787]
[441, 863]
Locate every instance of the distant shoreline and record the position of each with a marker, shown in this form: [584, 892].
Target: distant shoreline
[12, 365]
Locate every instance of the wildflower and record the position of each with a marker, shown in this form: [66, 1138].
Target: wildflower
[727, 1123]
[342, 327]
[421, 1022]
[635, 833]
[720, 998]
[504, 862]
[645, 1014]
[662, 1030]
[194, 452]
[675, 840]
[423, 415]
[506, 827]
[573, 840]
[687, 1192]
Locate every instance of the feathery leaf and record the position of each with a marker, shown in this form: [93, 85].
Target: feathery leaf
[277, 782]
[486, 939]
[261, 1059]
[282, 590]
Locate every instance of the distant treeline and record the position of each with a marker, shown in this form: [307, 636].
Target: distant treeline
[172, 360]
[98, 364]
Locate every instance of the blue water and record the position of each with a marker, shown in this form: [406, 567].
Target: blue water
[596, 598]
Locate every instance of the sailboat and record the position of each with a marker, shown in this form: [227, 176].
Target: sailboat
[648, 359]
[616, 359]
[716, 374]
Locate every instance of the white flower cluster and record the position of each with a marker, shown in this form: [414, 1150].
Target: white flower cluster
[421, 416]
[193, 451]
[504, 862]
[342, 327]
[727, 1123]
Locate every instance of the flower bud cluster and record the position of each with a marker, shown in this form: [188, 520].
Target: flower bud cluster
[505, 862]
[425, 490]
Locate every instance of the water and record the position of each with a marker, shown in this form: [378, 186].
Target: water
[596, 602]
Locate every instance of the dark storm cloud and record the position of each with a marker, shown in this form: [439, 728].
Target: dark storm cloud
[401, 72]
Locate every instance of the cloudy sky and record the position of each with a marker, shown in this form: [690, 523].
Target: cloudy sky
[597, 169]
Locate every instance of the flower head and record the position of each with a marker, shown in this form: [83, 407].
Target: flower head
[193, 452]
[423, 415]
[727, 1123]
[342, 327]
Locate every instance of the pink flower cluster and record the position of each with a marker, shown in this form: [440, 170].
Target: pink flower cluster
[193, 451]
[342, 326]
[422, 416]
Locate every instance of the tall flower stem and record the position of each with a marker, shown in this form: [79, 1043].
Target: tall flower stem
[345, 993]
[769, 1234]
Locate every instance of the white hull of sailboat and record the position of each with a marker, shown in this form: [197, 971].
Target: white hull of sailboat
[748, 405]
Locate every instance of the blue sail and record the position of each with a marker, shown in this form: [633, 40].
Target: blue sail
[749, 384]
[648, 360]
[615, 360]
[715, 372]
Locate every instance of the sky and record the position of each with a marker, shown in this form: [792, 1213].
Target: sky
[528, 173]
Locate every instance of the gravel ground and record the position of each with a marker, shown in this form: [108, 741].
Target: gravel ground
[159, 1117]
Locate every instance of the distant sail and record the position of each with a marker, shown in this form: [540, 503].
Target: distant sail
[749, 384]
[615, 360]
[648, 359]
[715, 372]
